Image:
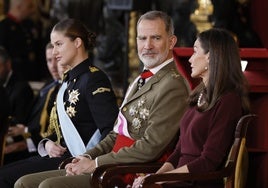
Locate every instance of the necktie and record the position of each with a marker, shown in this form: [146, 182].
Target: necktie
[145, 74]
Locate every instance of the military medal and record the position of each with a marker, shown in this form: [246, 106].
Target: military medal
[139, 113]
[140, 83]
[73, 96]
[71, 111]
[136, 123]
[73, 99]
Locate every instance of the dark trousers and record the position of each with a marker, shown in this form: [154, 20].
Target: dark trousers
[16, 156]
[11, 172]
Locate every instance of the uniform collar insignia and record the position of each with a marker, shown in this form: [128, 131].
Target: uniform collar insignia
[93, 69]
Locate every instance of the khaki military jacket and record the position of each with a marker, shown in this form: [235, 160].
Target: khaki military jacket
[163, 98]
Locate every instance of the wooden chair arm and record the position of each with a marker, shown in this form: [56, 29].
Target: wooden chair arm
[65, 162]
[106, 178]
[96, 177]
[108, 172]
[182, 178]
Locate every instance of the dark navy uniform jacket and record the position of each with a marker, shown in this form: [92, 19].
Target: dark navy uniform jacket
[90, 101]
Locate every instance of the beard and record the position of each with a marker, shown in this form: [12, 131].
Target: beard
[153, 61]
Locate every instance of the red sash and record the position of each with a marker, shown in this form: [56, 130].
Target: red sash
[123, 141]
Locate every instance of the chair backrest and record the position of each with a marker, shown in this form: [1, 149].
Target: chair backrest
[241, 169]
[237, 160]
[4, 124]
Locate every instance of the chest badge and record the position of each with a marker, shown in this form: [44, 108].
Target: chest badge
[139, 112]
[73, 96]
[73, 99]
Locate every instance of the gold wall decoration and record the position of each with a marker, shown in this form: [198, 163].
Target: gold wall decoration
[133, 59]
[1, 8]
[200, 17]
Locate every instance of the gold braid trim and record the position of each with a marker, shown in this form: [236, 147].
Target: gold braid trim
[53, 125]
[44, 115]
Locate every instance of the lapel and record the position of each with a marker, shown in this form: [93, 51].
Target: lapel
[148, 85]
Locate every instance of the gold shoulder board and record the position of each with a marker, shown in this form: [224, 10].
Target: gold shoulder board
[93, 69]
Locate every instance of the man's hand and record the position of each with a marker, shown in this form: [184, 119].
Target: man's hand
[16, 130]
[54, 150]
[80, 165]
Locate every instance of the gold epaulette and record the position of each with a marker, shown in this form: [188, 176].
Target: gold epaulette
[93, 69]
[174, 73]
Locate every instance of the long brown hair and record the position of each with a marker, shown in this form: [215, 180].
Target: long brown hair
[225, 73]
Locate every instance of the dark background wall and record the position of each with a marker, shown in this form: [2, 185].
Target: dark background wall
[259, 16]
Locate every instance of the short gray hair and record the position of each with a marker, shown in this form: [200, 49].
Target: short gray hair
[154, 14]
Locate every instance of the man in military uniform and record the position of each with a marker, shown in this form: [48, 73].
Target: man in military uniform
[18, 35]
[148, 120]
[37, 122]
[20, 95]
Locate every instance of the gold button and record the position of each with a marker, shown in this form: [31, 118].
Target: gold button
[124, 109]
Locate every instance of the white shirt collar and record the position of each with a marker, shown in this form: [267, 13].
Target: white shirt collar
[157, 68]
